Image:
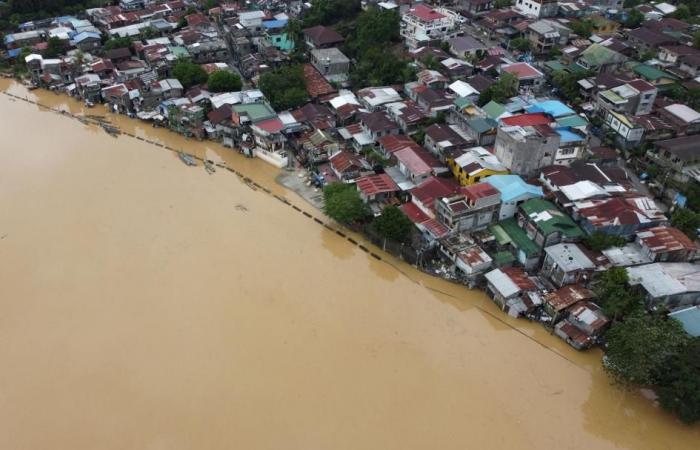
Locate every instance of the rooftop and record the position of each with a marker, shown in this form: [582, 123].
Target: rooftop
[549, 219]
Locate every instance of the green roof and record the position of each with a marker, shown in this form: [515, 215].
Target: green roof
[519, 238]
[572, 121]
[482, 124]
[256, 112]
[598, 55]
[180, 52]
[549, 219]
[499, 233]
[652, 73]
[462, 102]
[555, 65]
[503, 258]
[494, 109]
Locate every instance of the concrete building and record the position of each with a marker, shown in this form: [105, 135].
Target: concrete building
[331, 63]
[474, 209]
[567, 264]
[526, 149]
[536, 8]
[514, 191]
[422, 25]
[670, 285]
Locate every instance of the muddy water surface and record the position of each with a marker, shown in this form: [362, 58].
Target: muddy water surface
[147, 305]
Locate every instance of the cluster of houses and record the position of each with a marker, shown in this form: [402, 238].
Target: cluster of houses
[504, 192]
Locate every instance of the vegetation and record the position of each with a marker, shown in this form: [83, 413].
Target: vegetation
[641, 348]
[285, 87]
[617, 299]
[342, 203]
[393, 224]
[329, 12]
[567, 84]
[501, 90]
[224, 81]
[189, 73]
[679, 390]
[634, 18]
[600, 241]
[117, 42]
[55, 47]
[521, 44]
[583, 28]
[687, 221]
[504, 3]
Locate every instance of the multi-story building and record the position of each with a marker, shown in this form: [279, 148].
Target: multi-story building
[475, 209]
[526, 149]
[422, 24]
[635, 97]
[537, 8]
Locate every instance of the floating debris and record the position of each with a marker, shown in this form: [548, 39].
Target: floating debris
[240, 207]
[209, 166]
[187, 159]
[109, 129]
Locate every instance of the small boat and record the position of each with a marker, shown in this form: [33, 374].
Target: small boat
[209, 166]
[112, 131]
[187, 159]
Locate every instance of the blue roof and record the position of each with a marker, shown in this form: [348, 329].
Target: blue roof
[554, 108]
[84, 35]
[689, 318]
[512, 187]
[14, 52]
[567, 135]
[9, 39]
[275, 23]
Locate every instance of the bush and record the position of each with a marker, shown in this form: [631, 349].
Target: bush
[224, 81]
[600, 241]
[342, 203]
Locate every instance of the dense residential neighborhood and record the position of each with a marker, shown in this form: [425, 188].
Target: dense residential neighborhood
[545, 152]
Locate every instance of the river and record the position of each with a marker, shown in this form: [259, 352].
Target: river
[148, 305]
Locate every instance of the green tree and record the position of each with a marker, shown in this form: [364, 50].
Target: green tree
[393, 224]
[640, 347]
[285, 87]
[329, 12]
[567, 84]
[682, 12]
[615, 295]
[54, 47]
[189, 73]
[634, 18]
[600, 241]
[377, 67]
[696, 39]
[501, 90]
[631, 3]
[583, 28]
[375, 27]
[521, 44]
[117, 42]
[687, 221]
[679, 380]
[224, 81]
[503, 3]
[342, 203]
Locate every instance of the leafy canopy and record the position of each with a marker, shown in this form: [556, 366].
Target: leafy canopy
[342, 203]
[617, 299]
[501, 90]
[189, 73]
[117, 42]
[329, 12]
[687, 221]
[600, 241]
[679, 390]
[224, 81]
[285, 87]
[393, 224]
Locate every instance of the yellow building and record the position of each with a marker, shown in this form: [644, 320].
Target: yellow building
[475, 165]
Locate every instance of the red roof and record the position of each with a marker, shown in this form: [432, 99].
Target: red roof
[530, 119]
[665, 239]
[315, 84]
[414, 213]
[522, 70]
[377, 184]
[520, 278]
[426, 13]
[412, 161]
[480, 190]
[272, 126]
[392, 143]
[344, 161]
[435, 188]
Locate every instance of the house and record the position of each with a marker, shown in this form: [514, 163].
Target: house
[513, 239]
[376, 189]
[347, 166]
[316, 85]
[509, 288]
[643, 40]
[635, 97]
[431, 101]
[536, 8]
[583, 325]
[474, 165]
[421, 25]
[673, 54]
[481, 130]
[408, 115]
[377, 124]
[546, 225]
[662, 80]
[599, 58]
[666, 244]
[514, 191]
[526, 149]
[567, 264]
[474, 208]
[466, 46]
[443, 141]
[87, 41]
[331, 63]
[426, 195]
[417, 164]
[690, 64]
[546, 34]
[671, 285]
[431, 230]
[685, 120]
[528, 77]
[681, 155]
[689, 318]
[251, 20]
[619, 216]
[322, 37]
[373, 98]
[475, 8]
[170, 88]
[556, 303]
[468, 259]
[220, 120]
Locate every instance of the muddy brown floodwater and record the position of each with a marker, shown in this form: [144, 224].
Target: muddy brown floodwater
[148, 305]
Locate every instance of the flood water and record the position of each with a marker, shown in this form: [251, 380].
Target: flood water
[148, 305]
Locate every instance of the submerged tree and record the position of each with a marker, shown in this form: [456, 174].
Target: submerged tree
[342, 203]
[393, 224]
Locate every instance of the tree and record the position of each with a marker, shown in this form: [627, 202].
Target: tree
[567, 84]
[679, 390]
[285, 87]
[520, 44]
[634, 19]
[393, 224]
[329, 12]
[687, 221]
[696, 39]
[600, 241]
[583, 28]
[377, 67]
[501, 90]
[615, 295]
[117, 42]
[189, 73]
[342, 203]
[54, 47]
[375, 27]
[682, 12]
[224, 81]
[631, 3]
[640, 347]
[503, 3]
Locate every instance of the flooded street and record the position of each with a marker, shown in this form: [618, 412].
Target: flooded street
[148, 305]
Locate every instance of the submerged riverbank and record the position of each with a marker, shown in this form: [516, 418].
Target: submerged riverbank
[151, 305]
